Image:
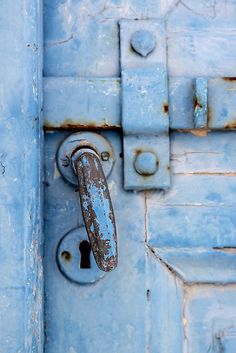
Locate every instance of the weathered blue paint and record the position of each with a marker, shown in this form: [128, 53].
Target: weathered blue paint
[146, 163]
[82, 40]
[211, 308]
[200, 244]
[174, 289]
[217, 98]
[59, 112]
[105, 316]
[143, 42]
[69, 259]
[106, 95]
[21, 294]
[144, 102]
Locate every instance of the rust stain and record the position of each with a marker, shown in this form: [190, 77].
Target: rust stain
[231, 125]
[199, 132]
[138, 151]
[69, 124]
[209, 115]
[197, 104]
[165, 108]
[195, 132]
[66, 255]
[230, 79]
[227, 249]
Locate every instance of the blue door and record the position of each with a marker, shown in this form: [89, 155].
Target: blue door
[139, 107]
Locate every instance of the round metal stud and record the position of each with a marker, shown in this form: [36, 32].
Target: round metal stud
[79, 140]
[146, 163]
[69, 258]
[143, 42]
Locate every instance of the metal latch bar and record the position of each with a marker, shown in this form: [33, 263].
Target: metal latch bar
[95, 103]
[145, 119]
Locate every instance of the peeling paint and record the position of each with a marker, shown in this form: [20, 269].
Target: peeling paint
[97, 210]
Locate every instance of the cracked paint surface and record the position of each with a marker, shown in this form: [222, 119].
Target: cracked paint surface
[177, 247]
[204, 31]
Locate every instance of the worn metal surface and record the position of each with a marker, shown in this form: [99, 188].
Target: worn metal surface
[67, 103]
[78, 140]
[69, 258]
[96, 208]
[182, 107]
[217, 103]
[145, 121]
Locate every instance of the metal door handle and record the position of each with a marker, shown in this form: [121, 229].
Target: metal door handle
[96, 207]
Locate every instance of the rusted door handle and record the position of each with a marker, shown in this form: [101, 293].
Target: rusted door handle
[96, 206]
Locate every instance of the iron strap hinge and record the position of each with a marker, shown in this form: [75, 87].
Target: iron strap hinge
[145, 118]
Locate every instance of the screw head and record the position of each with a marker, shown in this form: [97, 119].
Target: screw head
[146, 163]
[143, 42]
[65, 161]
[105, 156]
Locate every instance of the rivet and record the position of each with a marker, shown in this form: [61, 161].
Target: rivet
[105, 156]
[65, 161]
[143, 42]
[66, 255]
[146, 163]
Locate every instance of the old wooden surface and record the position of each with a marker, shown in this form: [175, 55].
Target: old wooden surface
[174, 288]
[21, 301]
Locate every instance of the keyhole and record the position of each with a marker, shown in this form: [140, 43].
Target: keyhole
[85, 250]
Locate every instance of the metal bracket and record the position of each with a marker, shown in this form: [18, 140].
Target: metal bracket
[150, 104]
[145, 118]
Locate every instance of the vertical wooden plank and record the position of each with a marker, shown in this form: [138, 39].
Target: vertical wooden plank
[109, 315]
[20, 165]
[165, 301]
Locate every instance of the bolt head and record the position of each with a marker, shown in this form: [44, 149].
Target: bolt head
[146, 163]
[143, 42]
[105, 156]
[65, 161]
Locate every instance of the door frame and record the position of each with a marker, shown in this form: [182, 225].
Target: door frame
[21, 288]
